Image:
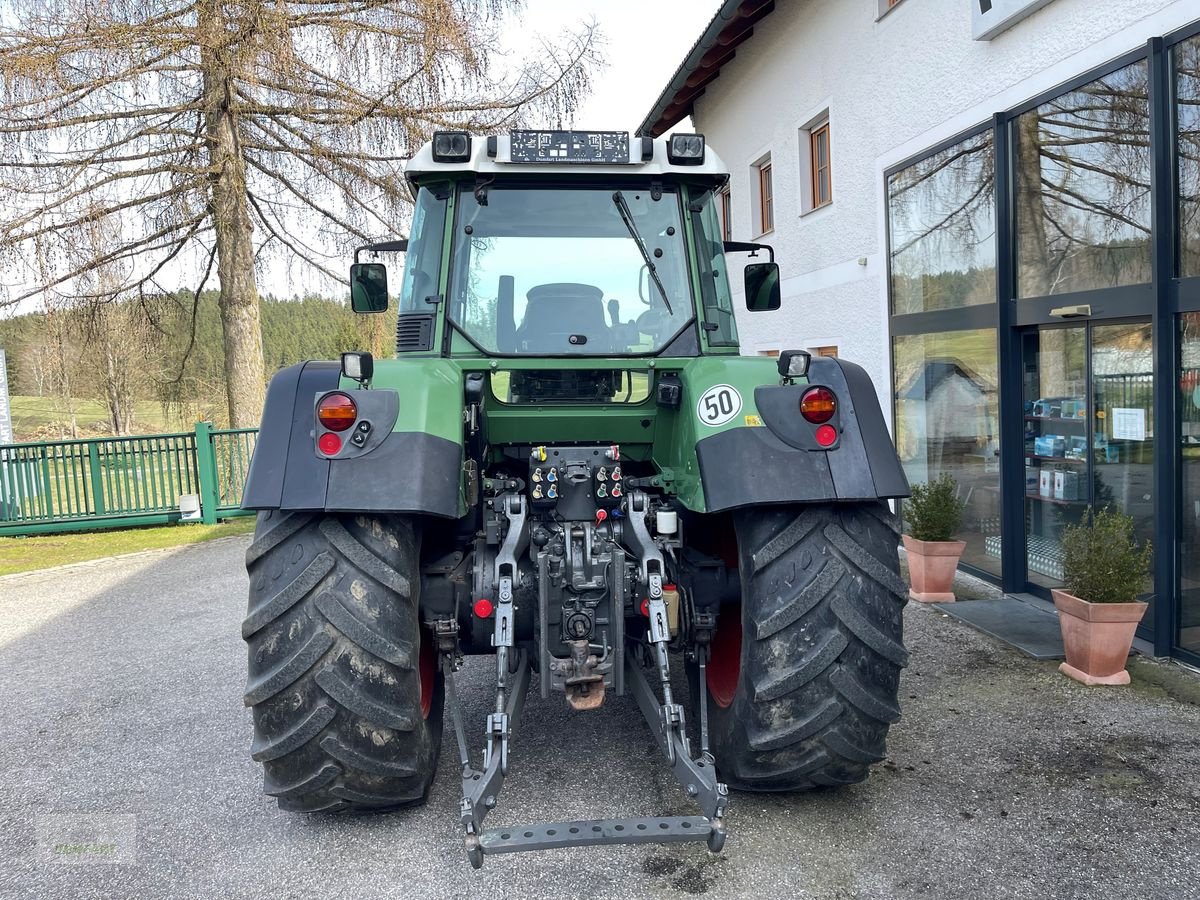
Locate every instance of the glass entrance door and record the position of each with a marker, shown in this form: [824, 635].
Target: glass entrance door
[1088, 434]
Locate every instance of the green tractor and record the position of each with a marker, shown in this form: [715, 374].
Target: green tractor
[568, 466]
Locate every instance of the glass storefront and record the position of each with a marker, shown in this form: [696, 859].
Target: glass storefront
[947, 420]
[1082, 178]
[1189, 449]
[1187, 92]
[1030, 277]
[943, 229]
[1073, 376]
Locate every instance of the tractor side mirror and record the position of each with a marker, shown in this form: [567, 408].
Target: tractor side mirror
[762, 287]
[368, 287]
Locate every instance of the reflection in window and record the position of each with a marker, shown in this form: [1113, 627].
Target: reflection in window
[1187, 85]
[943, 229]
[947, 406]
[1189, 436]
[715, 297]
[423, 266]
[1083, 187]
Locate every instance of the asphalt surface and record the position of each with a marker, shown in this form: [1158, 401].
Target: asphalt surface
[125, 771]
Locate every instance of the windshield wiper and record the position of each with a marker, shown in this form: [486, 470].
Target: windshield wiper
[627, 218]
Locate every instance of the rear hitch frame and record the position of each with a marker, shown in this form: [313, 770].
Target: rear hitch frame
[667, 722]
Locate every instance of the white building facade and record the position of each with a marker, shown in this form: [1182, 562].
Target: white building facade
[990, 205]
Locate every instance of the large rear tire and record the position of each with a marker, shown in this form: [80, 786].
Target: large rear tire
[347, 697]
[803, 682]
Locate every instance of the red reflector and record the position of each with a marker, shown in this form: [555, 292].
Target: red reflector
[484, 608]
[646, 607]
[818, 405]
[329, 444]
[826, 435]
[336, 412]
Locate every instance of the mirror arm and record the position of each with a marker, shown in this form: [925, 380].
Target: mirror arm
[400, 246]
[749, 247]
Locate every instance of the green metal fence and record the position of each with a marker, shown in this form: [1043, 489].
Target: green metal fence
[123, 481]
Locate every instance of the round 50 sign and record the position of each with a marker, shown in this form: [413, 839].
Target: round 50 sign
[718, 405]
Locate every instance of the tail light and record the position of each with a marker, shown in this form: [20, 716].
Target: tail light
[337, 412]
[818, 405]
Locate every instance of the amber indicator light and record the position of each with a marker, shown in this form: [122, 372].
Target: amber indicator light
[818, 405]
[336, 412]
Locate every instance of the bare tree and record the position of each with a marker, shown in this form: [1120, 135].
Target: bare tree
[222, 131]
[62, 353]
[117, 333]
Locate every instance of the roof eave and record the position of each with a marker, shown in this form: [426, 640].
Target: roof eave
[732, 25]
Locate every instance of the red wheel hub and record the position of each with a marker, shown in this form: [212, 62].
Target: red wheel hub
[725, 661]
[428, 671]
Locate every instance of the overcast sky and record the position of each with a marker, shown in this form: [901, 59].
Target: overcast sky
[644, 43]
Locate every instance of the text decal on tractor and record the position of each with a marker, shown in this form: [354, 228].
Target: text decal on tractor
[569, 467]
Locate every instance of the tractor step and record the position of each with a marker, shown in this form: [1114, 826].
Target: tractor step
[555, 835]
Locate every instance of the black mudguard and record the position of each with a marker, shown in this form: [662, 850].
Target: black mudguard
[781, 463]
[406, 472]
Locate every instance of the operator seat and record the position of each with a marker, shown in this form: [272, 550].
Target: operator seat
[554, 312]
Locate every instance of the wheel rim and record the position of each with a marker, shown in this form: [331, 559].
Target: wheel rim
[428, 672]
[725, 662]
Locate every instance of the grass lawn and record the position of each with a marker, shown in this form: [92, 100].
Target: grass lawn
[27, 554]
[35, 415]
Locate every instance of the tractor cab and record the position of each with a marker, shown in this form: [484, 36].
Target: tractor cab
[556, 244]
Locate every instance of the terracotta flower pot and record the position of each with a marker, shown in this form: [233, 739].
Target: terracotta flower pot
[1096, 637]
[931, 568]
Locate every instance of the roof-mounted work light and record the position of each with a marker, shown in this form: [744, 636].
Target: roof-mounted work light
[686, 150]
[451, 146]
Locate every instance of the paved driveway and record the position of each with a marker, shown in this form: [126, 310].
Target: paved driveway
[125, 771]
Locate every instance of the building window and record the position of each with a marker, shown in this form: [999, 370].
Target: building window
[1187, 106]
[822, 185]
[1083, 187]
[766, 199]
[828, 350]
[947, 420]
[725, 213]
[942, 229]
[816, 168]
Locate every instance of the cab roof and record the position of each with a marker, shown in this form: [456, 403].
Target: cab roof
[493, 156]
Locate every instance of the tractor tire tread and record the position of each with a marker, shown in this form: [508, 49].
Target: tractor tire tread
[822, 648]
[337, 702]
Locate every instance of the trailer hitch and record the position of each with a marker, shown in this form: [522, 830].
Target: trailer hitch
[481, 787]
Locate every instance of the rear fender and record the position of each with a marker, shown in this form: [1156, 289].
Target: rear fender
[777, 461]
[416, 468]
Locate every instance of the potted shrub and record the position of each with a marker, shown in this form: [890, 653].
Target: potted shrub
[933, 515]
[1104, 571]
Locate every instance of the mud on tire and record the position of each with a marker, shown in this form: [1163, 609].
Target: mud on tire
[347, 701]
[821, 648]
